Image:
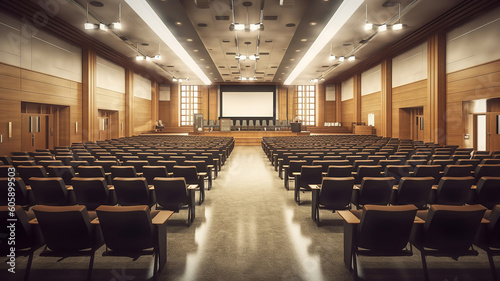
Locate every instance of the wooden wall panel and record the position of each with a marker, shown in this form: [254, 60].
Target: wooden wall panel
[479, 82]
[347, 113]
[20, 85]
[407, 96]
[142, 116]
[165, 112]
[212, 103]
[372, 104]
[330, 111]
[174, 107]
[320, 105]
[282, 103]
[204, 102]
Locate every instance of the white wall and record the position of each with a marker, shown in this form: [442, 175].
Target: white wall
[347, 90]
[164, 94]
[371, 80]
[330, 93]
[110, 76]
[474, 43]
[142, 87]
[26, 46]
[410, 66]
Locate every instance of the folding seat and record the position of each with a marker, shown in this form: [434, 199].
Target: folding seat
[341, 171]
[75, 164]
[397, 171]
[65, 159]
[179, 159]
[413, 190]
[377, 231]
[375, 191]
[376, 158]
[133, 191]
[447, 231]
[23, 196]
[27, 172]
[428, 171]
[91, 172]
[202, 169]
[442, 163]
[68, 232]
[93, 192]
[51, 191]
[486, 170]
[174, 194]
[190, 175]
[334, 194]
[402, 158]
[487, 192]
[454, 190]
[385, 163]
[65, 172]
[89, 158]
[123, 172]
[473, 162]
[457, 171]
[130, 230]
[138, 164]
[294, 166]
[488, 237]
[490, 161]
[367, 171]
[414, 162]
[308, 175]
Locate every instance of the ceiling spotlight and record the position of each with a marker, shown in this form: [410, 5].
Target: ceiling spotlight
[148, 58]
[382, 28]
[368, 26]
[174, 79]
[103, 27]
[332, 57]
[139, 57]
[89, 25]
[257, 26]
[341, 59]
[157, 57]
[253, 57]
[351, 58]
[236, 26]
[397, 26]
[241, 57]
[116, 25]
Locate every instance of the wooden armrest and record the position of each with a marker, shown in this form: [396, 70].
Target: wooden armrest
[395, 187]
[418, 220]
[192, 186]
[33, 221]
[162, 217]
[485, 221]
[151, 187]
[314, 186]
[349, 217]
[357, 186]
[69, 187]
[170, 174]
[28, 187]
[296, 173]
[473, 187]
[204, 174]
[111, 187]
[95, 221]
[285, 166]
[435, 186]
[210, 166]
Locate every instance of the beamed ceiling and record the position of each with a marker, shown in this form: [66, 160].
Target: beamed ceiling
[290, 28]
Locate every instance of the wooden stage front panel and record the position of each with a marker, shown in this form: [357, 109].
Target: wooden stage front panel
[249, 137]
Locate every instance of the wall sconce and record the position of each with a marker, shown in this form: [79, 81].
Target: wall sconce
[76, 127]
[10, 130]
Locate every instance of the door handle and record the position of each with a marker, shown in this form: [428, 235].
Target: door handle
[32, 139]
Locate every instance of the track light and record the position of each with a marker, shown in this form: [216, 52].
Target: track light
[351, 58]
[116, 25]
[253, 57]
[368, 26]
[341, 59]
[382, 28]
[332, 57]
[139, 57]
[103, 27]
[240, 57]
[397, 26]
[89, 25]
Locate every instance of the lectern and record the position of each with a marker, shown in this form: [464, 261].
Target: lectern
[296, 127]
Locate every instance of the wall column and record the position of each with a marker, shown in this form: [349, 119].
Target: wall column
[129, 103]
[89, 107]
[320, 105]
[155, 103]
[386, 102]
[436, 87]
[338, 102]
[357, 97]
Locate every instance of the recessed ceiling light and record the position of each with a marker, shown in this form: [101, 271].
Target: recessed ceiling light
[298, 50]
[292, 59]
[189, 40]
[178, 23]
[303, 40]
[290, 25]
[202, 59]
[207, 66]
[144, 44]
[287, 67]
[202, 25]
[195, 50]
[96, 3]
[211, 73]
[313, 23]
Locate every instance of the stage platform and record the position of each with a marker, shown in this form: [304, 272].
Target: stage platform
[249, 137]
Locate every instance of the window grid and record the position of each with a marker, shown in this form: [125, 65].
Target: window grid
[305, 104]
[190, 103]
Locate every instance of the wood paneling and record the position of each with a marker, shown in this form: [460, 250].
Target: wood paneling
[372, 104]
[386, 100]
[338, 102]
[282, 103]
[320, 105]
[16, 86]
[212, 103]
[357, 97]
[436, 85]
[164, 115]
[89, 111]
[204, 102]
[480, 82]
[114, 101]
[409, 96]
[174, 106]
[129, 103]
[347, 113]
[330, 111]
[142, 116]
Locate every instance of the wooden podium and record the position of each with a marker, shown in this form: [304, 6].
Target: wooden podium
[296, 127]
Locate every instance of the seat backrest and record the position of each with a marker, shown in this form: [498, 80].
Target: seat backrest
[486, 170]
[65, 228]
[414, 190]
[397, 171]
[91, 172]
[126, 228]
[91, 192]
[27, 172]
[189, 173]
[427, 171]
[488, 191]
[64, 172]
[375, 190]
[151, 172]
[385, 228]
[452, 228]
[493, 228]
[123, 172]
[201, 166]
[453, 190]
[50, 191]
[171, 193]
[369, 171]
[339, 171]
[385, 163]
[23, 231]
[20, 191]
[132, 191]
[138, 164]
[457, 171]
[310, 175]
[336, 193]
[295, 166]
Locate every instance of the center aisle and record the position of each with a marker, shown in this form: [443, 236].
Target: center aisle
[249, 228]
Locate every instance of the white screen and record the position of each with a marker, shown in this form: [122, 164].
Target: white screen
[247, 104]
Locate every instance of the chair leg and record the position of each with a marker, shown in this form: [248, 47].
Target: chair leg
[492, 266]
[28, 266]
[355, 266]
[155, 267]
[424, 266]
[91, 266]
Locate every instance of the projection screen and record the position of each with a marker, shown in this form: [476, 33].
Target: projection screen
[247, 104]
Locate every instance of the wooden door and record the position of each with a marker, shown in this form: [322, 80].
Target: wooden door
[493, 131]
[419, 128]
[34, 128]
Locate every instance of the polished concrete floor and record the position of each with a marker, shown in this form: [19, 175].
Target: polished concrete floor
[250, 228]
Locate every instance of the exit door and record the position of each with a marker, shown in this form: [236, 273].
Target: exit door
[35, 133]
[487, 131]
[419, 128]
